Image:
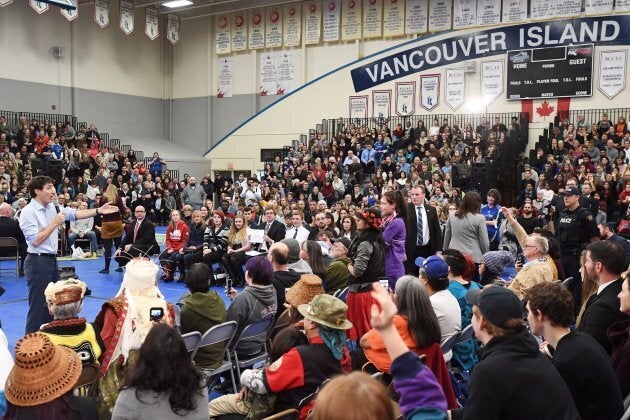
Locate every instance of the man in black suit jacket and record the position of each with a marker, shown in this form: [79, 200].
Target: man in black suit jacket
[274, 230]
[431, 232]
[139, 240]
[10, 228]
[605, 261]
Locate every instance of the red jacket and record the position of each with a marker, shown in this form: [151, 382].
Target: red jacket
[176, 238]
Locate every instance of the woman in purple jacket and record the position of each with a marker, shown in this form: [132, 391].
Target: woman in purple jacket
[393, 211]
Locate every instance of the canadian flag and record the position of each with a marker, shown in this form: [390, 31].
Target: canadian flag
[546, 109]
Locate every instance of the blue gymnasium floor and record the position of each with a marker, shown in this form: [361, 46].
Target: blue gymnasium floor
[14, 303]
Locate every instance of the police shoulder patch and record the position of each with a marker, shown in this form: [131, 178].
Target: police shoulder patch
[589, 217]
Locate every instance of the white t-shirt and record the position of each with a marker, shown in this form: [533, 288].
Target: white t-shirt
[448, 314]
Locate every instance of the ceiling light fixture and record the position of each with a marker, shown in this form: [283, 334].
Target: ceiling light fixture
[177, 3]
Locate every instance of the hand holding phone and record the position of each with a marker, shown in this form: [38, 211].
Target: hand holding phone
[156, 314]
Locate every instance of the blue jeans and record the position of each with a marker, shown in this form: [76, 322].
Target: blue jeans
[90, 234]
[38, 271]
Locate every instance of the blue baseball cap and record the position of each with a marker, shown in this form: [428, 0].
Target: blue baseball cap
[434, 266]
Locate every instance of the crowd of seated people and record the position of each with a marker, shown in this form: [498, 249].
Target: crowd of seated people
[377, 207]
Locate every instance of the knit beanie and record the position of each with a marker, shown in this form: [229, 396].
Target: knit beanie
[495, 261]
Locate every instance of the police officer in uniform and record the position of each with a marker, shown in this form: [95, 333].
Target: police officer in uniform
[575, 229]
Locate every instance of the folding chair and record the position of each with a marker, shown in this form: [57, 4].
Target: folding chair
[252, 332]
[11, 243]
[465, 335]
[449, 343]
[341, 294]
[191, 340]
[87, 384]
[222, 333]
[281, 323]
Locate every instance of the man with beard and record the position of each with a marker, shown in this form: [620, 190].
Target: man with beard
[527, 219]
[337, 271]
[607, 234]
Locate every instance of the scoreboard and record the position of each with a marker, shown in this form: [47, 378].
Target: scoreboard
[550, 72]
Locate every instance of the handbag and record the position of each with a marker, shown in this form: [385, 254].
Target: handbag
[67, 272]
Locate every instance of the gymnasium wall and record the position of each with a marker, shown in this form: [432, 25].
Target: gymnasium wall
[327, 97]
[111, 79]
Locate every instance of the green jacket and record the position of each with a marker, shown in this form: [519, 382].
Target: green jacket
[337, 275]
[200, 312]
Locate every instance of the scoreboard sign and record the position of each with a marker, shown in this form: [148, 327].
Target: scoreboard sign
[550, 72]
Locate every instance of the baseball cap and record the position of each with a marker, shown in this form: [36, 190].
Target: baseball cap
[496, 303]
[345, 241]
[434, 266]
[571, 191]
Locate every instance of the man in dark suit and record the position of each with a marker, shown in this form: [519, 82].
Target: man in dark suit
[605, 261]
[422, 241]
[139, 240]
[274, 230]
[10, 228]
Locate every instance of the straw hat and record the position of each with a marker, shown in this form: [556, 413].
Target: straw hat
[43, 371]
[305, 289]
[328, 311]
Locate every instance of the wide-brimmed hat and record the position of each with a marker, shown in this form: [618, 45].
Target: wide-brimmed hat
[327, 311]
[372, 216]
[304, 290]
[64, 292]
[42, 372]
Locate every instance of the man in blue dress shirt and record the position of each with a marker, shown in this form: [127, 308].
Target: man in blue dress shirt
[40, 221]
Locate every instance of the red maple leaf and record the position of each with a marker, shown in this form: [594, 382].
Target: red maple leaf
[220, 94]
[263, 93]
[280, 91]
[545, 109]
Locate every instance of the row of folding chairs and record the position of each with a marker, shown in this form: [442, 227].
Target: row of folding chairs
[225, 333]
[464, 335]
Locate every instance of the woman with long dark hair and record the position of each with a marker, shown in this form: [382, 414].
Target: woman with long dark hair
[311, 252]
[466, 229]
[111, 224]
[164, 383]
[367, 256]
[394, 212]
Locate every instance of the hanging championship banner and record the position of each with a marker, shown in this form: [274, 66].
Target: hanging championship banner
[440, 17]
[454, 88]
[126, 17]
[405, 98]
[151, 26]
[268, 75]
[622, 6]
[172, 29]
[488, 12]
[514, 11]
[358, 107]
[372, 18]
[39, 6]
[225, 78]
[239, 31]
[332, 20]
[286, 73]
[256, 29]
[568, 8]
[292, 24]
[313, 21]
[70, 15]
[351, 19]
[491, 80]
[598, 7]
[222, 42]
[5, 2]
[393, 18]
[429, 91]
[273, 27]
[101, 13]
[464, 14]
[612, 72]
[381, 105]
[542, 9]
[417, 14]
